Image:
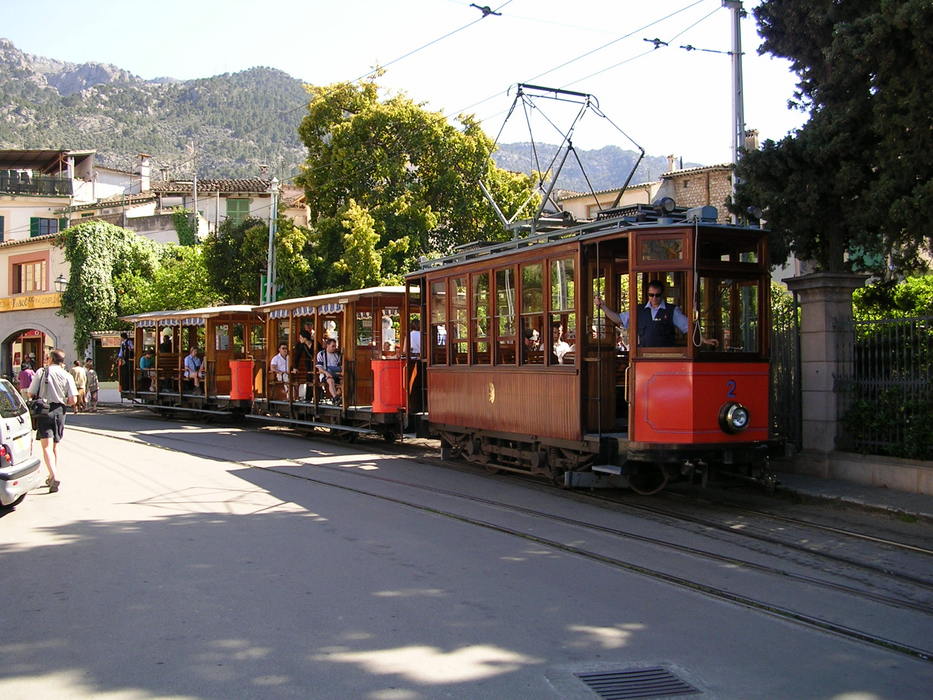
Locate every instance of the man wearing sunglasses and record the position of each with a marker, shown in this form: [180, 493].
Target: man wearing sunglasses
[656, 320]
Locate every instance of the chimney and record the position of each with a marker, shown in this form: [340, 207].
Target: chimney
[751, 140]
[263, 170]
[145, 172]
[670, 163]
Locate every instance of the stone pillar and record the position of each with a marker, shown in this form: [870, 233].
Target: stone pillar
[825, 307]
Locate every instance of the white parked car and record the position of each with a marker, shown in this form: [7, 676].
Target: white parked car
[20, 471]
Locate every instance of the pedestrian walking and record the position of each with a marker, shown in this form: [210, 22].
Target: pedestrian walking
[93, 386]
[54, 384]
[80, 376]
[26, 373]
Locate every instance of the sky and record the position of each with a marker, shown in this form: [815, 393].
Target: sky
[448, 56]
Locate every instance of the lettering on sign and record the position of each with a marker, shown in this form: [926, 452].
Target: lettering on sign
[35, 301]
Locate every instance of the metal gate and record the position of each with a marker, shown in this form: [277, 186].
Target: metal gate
[785, 370]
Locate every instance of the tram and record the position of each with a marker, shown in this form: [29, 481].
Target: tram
[233, 348]
[526, 372]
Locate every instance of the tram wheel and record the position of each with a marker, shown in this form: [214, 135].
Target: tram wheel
[648, 479]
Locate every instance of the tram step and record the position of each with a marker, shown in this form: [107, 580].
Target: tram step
[608, 469]
[314, 424]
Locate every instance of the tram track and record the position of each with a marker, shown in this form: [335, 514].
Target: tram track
[711, 590]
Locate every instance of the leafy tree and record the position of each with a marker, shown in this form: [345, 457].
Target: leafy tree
[106, 262]
[851, 188]
[911, 297]
[180, 281]
[409, 170]
[236, 256]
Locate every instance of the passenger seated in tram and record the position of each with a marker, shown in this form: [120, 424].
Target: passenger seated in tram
[279, 366]
[194, 367]
[656, 319]
[329, 364]
[559, 346]
[146, 365]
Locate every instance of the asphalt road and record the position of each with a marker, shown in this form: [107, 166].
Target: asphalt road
[192, 561]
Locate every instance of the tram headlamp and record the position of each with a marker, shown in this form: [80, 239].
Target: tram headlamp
[734, 417]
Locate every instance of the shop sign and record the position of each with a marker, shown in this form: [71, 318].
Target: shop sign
[36, 301]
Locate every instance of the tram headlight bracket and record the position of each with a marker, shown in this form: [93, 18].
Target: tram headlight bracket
[734, 417]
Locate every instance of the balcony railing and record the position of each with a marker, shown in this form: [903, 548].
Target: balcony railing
[17, 182]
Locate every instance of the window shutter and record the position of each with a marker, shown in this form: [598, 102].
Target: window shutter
[1, 229]
[33, 226]
[63, 224]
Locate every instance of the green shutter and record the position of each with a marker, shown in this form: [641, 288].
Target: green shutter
[63, 223]
[34, 226]
[1, 229]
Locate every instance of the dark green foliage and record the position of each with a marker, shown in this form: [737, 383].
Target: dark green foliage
[852, 189]
[235, 258]
[901, 426]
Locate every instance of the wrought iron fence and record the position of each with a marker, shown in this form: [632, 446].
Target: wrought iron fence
[883, 387]
[785, 373]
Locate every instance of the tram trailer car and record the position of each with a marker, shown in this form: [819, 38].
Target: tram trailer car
[229, 349]
[527, 372]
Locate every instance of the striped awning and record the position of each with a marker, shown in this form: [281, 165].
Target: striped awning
[329, 308]
[278, 313]
[192, 322]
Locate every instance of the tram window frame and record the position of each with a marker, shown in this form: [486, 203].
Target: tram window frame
[675, 293]
[458, 330]
[738, 323]
[504, 323]
[437, 298]
[238, 340]
[394, 314]
[531, 309]
[480, 322]
[562, 305]
[222, 335]
[662, 263]
[257, 337]
[363, 328]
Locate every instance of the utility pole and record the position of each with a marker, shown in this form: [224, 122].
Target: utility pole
[270, 259]
[738, 98]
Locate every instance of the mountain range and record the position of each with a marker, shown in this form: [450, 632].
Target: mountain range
[227, 125]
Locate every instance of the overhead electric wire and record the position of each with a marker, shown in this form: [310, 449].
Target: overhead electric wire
[657, 45]
[581, 56]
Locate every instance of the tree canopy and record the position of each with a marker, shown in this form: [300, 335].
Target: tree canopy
[852, 188]
[235, 257]
[388, 181]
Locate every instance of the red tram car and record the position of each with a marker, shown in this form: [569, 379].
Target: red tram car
[526, 372]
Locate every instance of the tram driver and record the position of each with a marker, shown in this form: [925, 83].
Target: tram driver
[656, 319]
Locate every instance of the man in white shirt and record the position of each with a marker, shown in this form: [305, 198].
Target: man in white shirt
[279, 367]
[414, 338]
[54, 384]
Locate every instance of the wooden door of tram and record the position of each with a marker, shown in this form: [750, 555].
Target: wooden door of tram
[605, 345]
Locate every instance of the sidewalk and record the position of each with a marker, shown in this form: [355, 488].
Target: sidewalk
[876, 498]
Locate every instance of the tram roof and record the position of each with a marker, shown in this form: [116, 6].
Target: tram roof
[338, 297]
[205, 312]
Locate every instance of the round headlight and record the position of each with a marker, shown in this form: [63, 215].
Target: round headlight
[733, 417]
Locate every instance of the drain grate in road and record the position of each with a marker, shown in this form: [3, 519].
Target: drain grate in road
[636, 683]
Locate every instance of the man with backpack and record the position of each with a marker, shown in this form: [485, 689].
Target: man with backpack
[54, 384]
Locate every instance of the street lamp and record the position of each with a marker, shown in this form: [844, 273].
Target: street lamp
[61, 284]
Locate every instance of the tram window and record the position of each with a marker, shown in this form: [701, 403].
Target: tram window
[480, 312]
[239, 339]
[661, 249]
[729, 313]
[732, 249]
[505, 317]
[165, 339]
[364, 328]
[282, 332]
[257, 339]
[673, 333]
[459, 325]
[563, 334]
[390, 324]
[533, 334]
[330, 329]
[149, 340]
[563, 326]
[439, 323]
[599, 329]
[222, 336]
